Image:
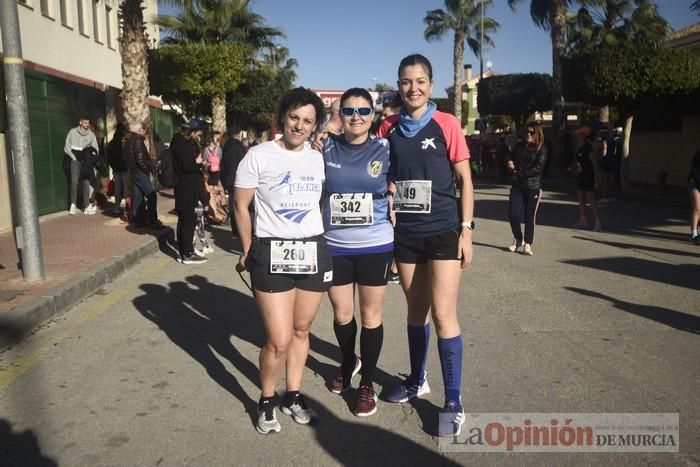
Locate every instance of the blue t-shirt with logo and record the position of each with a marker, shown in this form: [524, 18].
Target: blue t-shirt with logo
[358, 168]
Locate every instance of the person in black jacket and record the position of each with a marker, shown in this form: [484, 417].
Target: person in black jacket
[232, 156]
[526, 165]
[115, 158]
[140, 165]
[187, 159]
[694, 189]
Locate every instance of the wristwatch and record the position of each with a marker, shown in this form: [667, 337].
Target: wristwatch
[468, 225]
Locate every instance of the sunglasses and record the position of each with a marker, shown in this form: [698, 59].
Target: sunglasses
[350, 111]
[531, 133]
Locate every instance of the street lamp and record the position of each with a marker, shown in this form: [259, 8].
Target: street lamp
[481, 44]
[374, 83]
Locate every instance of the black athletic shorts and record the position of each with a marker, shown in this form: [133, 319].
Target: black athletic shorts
[368, 269]
[213, 178]
[586, 183]
[265, 281]
[443, 246]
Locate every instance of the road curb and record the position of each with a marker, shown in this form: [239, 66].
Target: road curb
[25, 318]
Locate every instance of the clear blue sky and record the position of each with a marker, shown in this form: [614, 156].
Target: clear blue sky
[342, 44]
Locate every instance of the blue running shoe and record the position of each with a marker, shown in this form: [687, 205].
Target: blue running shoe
[451, 419]
[408, 390]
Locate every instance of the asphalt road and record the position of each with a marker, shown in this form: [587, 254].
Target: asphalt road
[160, 367]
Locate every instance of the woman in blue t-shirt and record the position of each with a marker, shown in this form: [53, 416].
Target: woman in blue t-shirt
[360, 239]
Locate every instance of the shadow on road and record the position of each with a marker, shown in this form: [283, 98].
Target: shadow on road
[683, 275]
[675, 319]
[621, 217]
[201, 317]
[363, 444]
[632, 246]
[176, 311]
[21, 449]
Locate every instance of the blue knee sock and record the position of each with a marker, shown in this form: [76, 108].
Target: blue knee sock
[450, 351]
[418, 339]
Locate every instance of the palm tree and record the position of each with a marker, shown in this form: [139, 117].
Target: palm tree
[695, 6]
[133, 49]
[215, 21]
[550, 15]
[464, 18]
[613, 22]
[278, 59]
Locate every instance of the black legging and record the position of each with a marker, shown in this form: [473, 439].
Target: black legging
[523, 200]
[186, 223]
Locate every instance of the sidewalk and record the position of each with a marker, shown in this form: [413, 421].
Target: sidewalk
[81, 254]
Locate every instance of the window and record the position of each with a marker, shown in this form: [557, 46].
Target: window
[82, 18]
[66, 13]
[96, 29]
[110, 27]
[27, 3]
[46, 7]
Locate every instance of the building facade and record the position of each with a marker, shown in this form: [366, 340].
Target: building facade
[72, 67]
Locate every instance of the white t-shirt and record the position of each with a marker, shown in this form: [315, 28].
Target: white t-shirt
[289, 186]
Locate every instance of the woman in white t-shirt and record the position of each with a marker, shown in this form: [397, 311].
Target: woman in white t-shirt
[284, 248]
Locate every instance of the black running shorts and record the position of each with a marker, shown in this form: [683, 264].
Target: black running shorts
[368, 269]
[443, 246]
[263, 280]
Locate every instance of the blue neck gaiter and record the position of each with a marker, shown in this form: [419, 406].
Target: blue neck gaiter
[409, 126]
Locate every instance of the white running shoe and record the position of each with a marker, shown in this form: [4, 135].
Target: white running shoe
[73, 210]
[267, 419]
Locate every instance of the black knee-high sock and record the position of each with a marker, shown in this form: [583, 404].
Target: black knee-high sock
[370, 347]
[346, 333]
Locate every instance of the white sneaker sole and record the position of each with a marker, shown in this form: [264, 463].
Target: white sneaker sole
[297, 419]
[276, 429]
[424, 391]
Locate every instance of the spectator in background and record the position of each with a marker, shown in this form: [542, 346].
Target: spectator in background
[140, 165]
[526, 166]
[158, 150]
[694, 189]
[502, 156]
[187, 158]
[232, 156]
[606, 165]
[79, 138]
[334, 125]
[586, 169]
[120, 173]
[212, 164]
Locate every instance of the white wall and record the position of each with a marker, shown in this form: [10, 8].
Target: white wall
[671, 151]
[48, 42]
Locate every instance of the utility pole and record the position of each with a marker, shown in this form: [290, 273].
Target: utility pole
[27, 232]
[481, 45]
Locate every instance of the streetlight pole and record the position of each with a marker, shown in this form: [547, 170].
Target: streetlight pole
[481, 45]
[27, 232]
